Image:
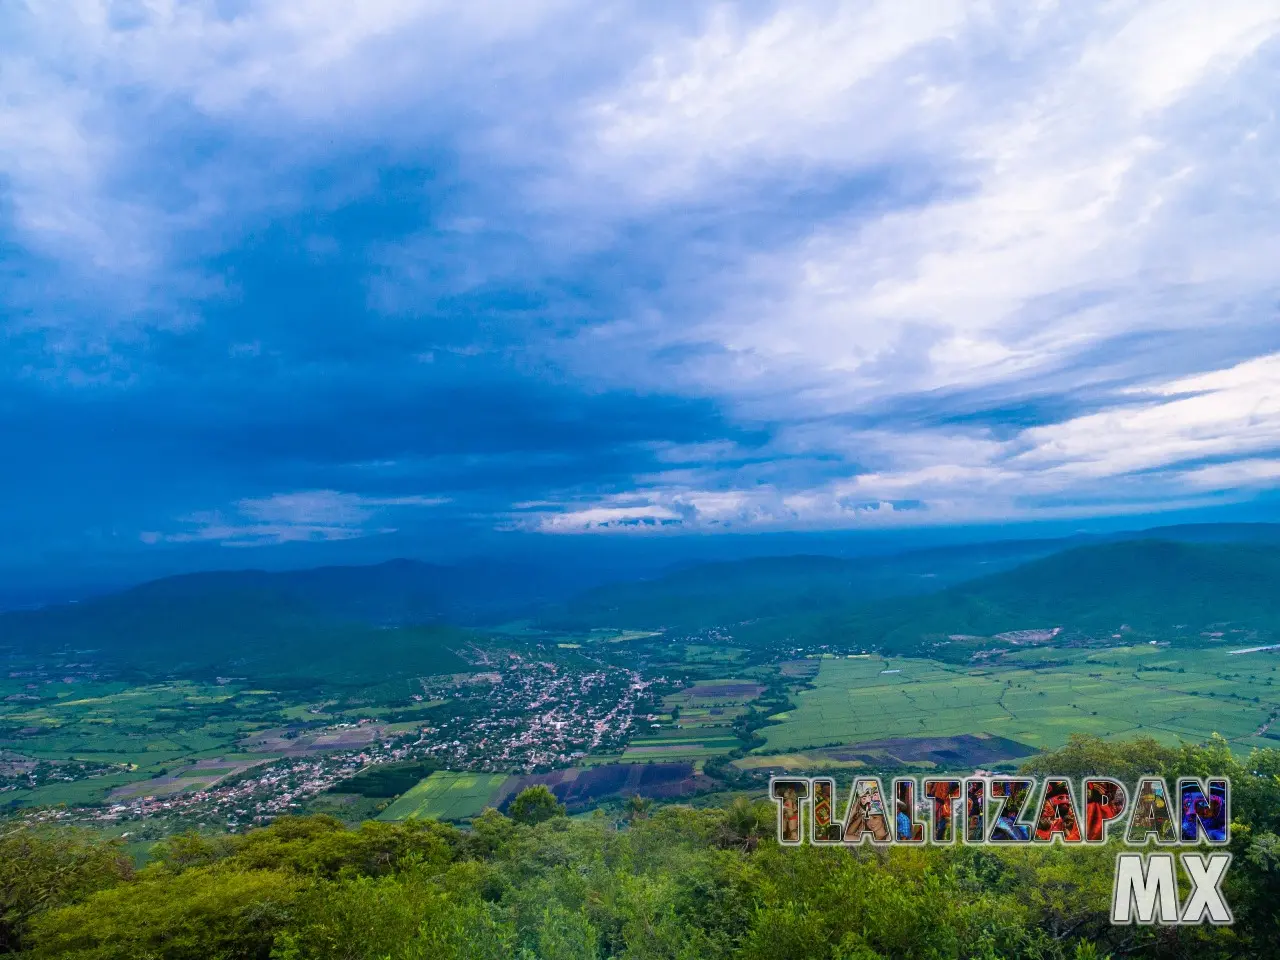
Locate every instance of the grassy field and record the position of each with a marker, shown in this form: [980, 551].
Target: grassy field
[141, 730]
[447, 796]
[715, 694]
[678, 749]
[704, 724]
[1039, 697]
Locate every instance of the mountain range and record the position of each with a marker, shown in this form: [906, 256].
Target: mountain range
[357, 622]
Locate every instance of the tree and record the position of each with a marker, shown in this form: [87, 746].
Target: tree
[638, 807]
[41, 869]
[534, 805]
[746, 822]
[1086, 755]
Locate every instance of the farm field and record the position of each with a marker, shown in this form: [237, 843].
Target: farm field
[712, 694]
[447, 796]
[578, 787]
[959, 753]
[702, 725]
[135, 732]
[1038, 697]
[698, 748]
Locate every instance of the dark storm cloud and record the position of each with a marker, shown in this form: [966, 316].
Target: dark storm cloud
[399, 271]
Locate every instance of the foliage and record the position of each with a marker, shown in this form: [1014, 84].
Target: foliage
[1147, 586]
[534, 805]
[1085, 755]
[676, 883]
[236, 622]
[388, 779]
[42, 870]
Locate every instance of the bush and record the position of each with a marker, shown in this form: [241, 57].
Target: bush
[534, 805]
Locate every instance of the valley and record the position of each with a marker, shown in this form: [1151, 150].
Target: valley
[704, 695]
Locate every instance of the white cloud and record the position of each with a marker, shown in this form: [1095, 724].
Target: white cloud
[1105, 171]
[1233, 412]
[93, 94]
[1065, 201]
[306, 515]
[1075, 186]
[803, 85]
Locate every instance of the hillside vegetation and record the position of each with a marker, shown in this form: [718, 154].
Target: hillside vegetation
[907, 604]
[675, 884]
[718, 594]
[360, 622]
[234, 626]
[1150, 587]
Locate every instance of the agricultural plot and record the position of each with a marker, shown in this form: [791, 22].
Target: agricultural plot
[579, 788]
[707, 694]
[678, 748]
[695, 653]
[964, 752]
[704, 719]
[287, 742]
[1038, 697]
[198, 776]
[141, 730]
[447, 796]
[703, 724]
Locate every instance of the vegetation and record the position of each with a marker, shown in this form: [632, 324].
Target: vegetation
[676, 883]
[447, 796]
[783, 589]
[288, 695]
[535, 805]
[387, 780]
[1039, 697]
[1147, 587]
[1169, 588]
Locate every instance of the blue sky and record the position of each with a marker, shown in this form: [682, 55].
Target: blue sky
[318, 272]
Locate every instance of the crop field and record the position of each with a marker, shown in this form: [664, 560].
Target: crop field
[707, 694]
[959, 753]
[682, 744]
[1038, 697]
[578, 787]
[198, 776]
[704, 719]
[141, 730]
[695, 653]
[447, 796]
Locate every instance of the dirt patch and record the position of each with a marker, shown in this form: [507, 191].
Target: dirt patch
[966, 750]
[578, 788]
[200, 775]
[294, 743]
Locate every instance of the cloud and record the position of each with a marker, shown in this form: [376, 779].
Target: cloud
[579, 267]
[307, 515]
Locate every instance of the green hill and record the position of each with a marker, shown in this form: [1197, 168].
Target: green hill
[781, 588]
[1159, 588]
[1173, 589]
[241, 624]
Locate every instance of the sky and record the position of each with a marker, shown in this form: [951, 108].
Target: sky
[426, 273]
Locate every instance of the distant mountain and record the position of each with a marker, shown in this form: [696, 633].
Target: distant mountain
[1151, 587]
[721, 594]
[396, 592]
[1212, 533]
[1200, 576]
[362, 624]
[337, 623]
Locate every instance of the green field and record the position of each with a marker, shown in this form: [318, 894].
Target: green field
[1039, 697]
[447, 796]
[141, 730]
[640, 751]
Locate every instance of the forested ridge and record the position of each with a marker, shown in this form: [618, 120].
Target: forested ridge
[671, 882]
